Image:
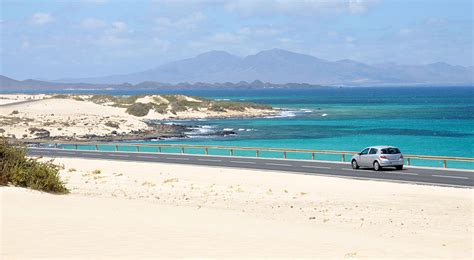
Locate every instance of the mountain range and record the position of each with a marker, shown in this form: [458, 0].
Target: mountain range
[281, 66]
[29, 84]
[276, 67]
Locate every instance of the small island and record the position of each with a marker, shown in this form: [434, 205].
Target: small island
[75, 117]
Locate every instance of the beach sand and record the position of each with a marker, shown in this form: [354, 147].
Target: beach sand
[133, 209]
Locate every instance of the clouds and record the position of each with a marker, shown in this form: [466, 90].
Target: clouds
[93, 23]
[187, 23]
[41, 18]
[304, 7]
[277, 7]
[119, 27]
[107, 37]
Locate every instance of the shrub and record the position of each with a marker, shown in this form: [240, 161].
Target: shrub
[15, 112]
[112, 124]
[102, 98]
[222, 106]
[78, 98]
[126, 99]
[139, 109]
[160, 108]
[61, 96]
[18, 170]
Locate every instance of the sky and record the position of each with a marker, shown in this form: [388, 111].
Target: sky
[87, 38]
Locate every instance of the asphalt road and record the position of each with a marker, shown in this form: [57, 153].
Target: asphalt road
[441, 177]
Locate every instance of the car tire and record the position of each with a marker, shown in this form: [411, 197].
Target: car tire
[355, 165]
[399, 167]
[377, 166]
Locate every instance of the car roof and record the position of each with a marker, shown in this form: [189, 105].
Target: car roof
[381, 146]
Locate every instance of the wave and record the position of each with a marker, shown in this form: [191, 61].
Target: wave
[201, 130]
[284, 113]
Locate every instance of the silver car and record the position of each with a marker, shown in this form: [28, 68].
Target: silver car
[377, 157]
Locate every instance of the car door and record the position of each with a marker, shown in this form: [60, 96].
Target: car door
[363, 157]
[372, 156]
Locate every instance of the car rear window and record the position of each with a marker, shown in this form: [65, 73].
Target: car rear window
[390, 151]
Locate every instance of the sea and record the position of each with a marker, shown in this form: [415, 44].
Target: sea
[419, 120]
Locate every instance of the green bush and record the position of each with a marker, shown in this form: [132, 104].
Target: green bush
[61, 96]
[18, 170]
[78, 98]
[161, 108]
[102, 98]
[222, 106]
[139, 109]
[112, 124]
[126, 99]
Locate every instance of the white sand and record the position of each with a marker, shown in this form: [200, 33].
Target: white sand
[15, 98]
[67, 117]
[134, 210]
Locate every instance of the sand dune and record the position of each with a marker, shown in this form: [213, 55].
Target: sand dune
[80, 116]
[127, 209]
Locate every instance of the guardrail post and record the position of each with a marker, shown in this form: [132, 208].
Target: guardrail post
[138, 148]
[444, 164]
[284, 155]
[56, 145]
[408, 161]
[257, 153]
[207, 151]
[343, 157]
[182, 150]
[76, 146]
[312, 156]
[231, 152]
[97, 147]
[159, 149]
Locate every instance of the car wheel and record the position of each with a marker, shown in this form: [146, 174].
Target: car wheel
[399, 167]
[377, 166]
[354, 164]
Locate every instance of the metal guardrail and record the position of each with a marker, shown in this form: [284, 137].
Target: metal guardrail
[231, 149]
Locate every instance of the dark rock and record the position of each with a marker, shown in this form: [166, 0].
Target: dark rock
[224, 133]
[39, 132]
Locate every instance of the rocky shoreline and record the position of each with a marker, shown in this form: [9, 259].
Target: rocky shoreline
[160, 131]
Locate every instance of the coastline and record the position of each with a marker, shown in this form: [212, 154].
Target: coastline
[85, 118]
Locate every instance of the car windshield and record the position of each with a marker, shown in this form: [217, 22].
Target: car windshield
[390, 150]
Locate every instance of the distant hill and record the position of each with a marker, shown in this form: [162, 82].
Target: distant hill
[12, 84]
[280, 67]
[6, 82]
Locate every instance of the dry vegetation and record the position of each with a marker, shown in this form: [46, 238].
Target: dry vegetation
[141, 105]
[18, 170]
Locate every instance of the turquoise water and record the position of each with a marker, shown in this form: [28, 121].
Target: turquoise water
[418, 120]
[426, 121]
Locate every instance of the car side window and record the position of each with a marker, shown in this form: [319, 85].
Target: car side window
[365, 151]
[373, 151]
